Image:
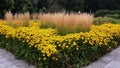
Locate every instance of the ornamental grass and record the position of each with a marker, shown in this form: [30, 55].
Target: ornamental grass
[68, 23]
[18, 19]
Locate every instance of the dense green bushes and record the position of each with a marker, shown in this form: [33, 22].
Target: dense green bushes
[116, 16]
[105, 12]
[102, 20]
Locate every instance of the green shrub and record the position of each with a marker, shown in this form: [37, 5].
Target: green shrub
[117, 11]
[102, 20]
[116, 16]
[104, 12]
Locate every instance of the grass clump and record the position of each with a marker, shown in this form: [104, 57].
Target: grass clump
[18, 19]
[68, 23]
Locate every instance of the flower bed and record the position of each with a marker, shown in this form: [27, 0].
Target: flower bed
[45, 49]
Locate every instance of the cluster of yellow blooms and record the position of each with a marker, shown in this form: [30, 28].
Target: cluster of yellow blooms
[34, 23]
[49, 43]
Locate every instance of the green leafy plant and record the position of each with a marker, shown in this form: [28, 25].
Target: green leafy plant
[102, 20]
[116, 16]
[105, 12]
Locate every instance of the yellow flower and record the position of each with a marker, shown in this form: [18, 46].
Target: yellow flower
[39, 58]
[44, 58]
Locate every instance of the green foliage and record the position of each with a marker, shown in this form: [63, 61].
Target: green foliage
[6, 5]
[105, 12]
[57, 5]
[116, 16]
[21, 50]
[102, 20]
[94, 5]
[23, 6]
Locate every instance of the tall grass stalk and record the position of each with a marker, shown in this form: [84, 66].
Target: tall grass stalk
[19, 19]
[47, 20]
[9, 16]
[69, 23]
[34, 16]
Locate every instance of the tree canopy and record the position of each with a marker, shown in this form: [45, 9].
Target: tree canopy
[57, 5]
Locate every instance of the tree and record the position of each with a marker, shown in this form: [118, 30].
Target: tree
[22, 6]
[93, 5]
[6, 5]
[109, 4]
[72, 5]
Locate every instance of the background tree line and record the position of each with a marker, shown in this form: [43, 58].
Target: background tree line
[34, 6]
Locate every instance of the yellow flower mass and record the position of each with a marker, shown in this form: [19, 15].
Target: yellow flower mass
[49, 43]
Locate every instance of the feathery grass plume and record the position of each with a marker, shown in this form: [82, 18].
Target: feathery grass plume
[17, 20]
[68, 23]
[47, 20]
[9, 16]
[73, 23]
[34, 16]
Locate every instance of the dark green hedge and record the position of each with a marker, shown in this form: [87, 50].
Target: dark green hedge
[104, 12]
[102, 20]
[116, 16]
